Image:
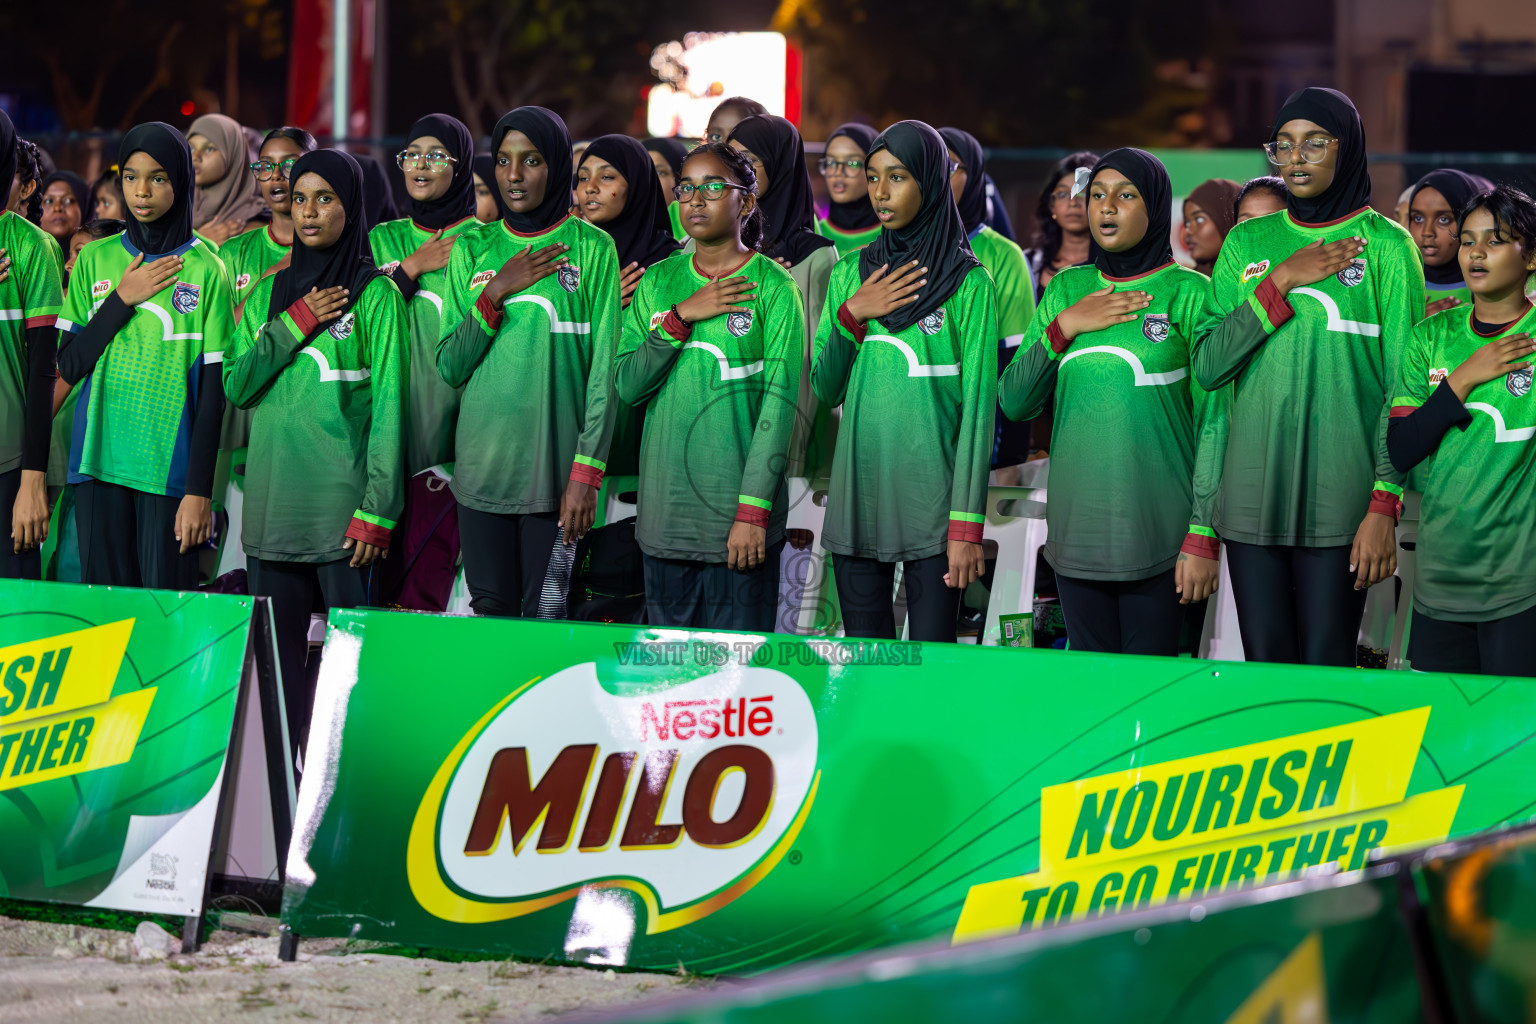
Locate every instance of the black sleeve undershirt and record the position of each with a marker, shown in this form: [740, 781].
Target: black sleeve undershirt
[37, 426]
[1413, 438]
[207, 421]
[404, 281]
[80, 355]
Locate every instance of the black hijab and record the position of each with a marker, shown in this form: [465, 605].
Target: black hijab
[788, 209]
[1350, 189]
[858, 215]
[7, 155]
[1150, 177]
[378, 196]
[549, 136]
[349, 261]
[973, 200]
[485, 169]
[935, 238]
[642, 231]
[168, 148]
[459, 201]
[1458, 188]
[673, 151]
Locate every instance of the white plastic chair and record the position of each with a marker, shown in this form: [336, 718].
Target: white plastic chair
[1407, 533]
[1016, 522]
[1221, 640]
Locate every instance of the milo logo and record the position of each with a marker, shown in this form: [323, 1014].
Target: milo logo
[680, 794]
[1254, 270]
[484, 277]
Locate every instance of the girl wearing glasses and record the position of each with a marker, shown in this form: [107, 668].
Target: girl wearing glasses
[30, 293]
[253, 255]
[850, 221]
[1135, 458]
[227, 203]
[1061, 238]
[530, 321]
[712, 343]
[440, 207]
[908, 347]
[1318, 302]
[774, 149]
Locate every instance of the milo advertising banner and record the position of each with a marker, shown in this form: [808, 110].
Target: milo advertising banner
[732, 803]
[116, 708]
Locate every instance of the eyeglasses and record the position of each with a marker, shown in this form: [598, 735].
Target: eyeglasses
[1312, 151]
[830, 167]
[1064, 195]
[434, 160]
[711, 190]
[954, 168]
[64, 201]
[264, 169]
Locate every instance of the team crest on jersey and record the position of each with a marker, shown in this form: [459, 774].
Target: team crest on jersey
[101, 289]
[484, 277]
[1519, 382]
[185, 298]
[1438, 374]
[341, 330]
[739, 324]
[1254, 270]
[242, 281]
[1156, 327]
[389, 268]
[569, 277]
[1352, 274]
[933, 323]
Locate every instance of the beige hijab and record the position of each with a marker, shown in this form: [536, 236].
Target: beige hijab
[233, 197]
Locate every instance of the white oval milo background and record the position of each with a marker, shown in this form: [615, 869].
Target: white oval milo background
[571, 707]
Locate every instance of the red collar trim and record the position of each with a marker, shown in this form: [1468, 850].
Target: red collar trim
[446, 227]
[711, 277]
[1472, 322]
[532, 234]
[1136, 277]
[1326, 223]
[278, 241]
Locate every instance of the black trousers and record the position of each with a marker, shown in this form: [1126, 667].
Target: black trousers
[128, 539]
[711, 595]
[505, 559]
[1296, 606]
[297, 589]
[29, 564]
[864, 591]
[1122, 616]
[1500, 647]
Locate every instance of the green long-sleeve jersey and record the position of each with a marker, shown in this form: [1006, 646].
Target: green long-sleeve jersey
[913, 448]
[1137, 446]
[327, 423]
[432, 411]
[248, 256]
[722, 407]
[30, 297]
[1011, 280]
[134, 413]
[1306, 456]
[537, 374]
[846, 241]
[1477, 520]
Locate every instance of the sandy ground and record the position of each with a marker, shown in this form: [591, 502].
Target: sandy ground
[67, 973]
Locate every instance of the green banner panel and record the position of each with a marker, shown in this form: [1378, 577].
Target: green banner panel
[1482, 911]
[732, 803]
[1327, 951]
[116, 707]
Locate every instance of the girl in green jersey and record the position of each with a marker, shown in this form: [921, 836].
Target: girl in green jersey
[1474, 594]
[667, 154]
[1435, 205]
[438, 164]
[1134, 457]
[712, 344]
[264, 250]
[1317, 303]
[318, 358]
[850, 221]
[908, 347]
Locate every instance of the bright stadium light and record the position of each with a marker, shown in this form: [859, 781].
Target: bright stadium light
[706, 67]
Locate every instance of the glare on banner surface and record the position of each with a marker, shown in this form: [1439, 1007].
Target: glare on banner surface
[704, 68]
